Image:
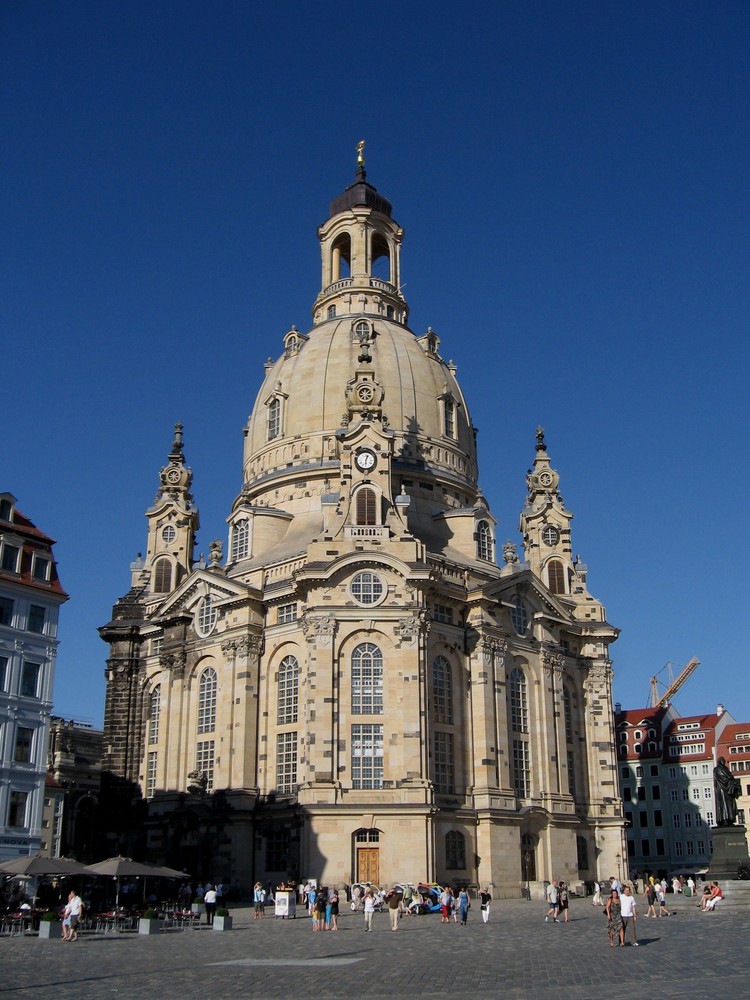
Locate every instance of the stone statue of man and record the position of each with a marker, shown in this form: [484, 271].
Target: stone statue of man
[726, 790]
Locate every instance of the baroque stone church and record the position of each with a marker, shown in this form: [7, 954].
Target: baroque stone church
[358, 689]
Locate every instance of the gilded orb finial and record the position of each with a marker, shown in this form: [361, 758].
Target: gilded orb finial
[361, 153]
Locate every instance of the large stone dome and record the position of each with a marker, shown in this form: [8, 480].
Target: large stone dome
[310, 382]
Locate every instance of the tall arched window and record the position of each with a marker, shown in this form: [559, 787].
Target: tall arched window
[442, 691]
[207, 701]
[205, 619]
[519, 724]
[484, 541]
[274, 419]
[288, 691]
[162, 576]
[519, 617]
[366, 507]
[240, 539]
[153, 715]
[367, 680]
[449, 412]
[556, 576]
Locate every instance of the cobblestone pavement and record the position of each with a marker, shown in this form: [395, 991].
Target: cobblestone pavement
[516, 955]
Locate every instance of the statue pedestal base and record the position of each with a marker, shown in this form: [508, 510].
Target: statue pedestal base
[729, 852]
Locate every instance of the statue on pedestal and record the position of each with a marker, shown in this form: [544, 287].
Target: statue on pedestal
[726, 790]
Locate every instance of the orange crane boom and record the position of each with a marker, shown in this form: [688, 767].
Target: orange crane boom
[658, 701]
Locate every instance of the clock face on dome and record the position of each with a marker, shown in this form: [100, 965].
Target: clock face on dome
[365, 460]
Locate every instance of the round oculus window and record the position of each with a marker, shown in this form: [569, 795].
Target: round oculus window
[168, 534]
[367, 588]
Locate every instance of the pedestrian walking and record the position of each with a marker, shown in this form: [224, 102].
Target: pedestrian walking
[628, 914]
[464, 904]
[552, 902]
[484, 904]
[597, 900]
[563, 901]
[369, 909]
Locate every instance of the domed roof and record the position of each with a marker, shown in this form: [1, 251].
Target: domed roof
[360, 193]
[359, 364]
[311, 382]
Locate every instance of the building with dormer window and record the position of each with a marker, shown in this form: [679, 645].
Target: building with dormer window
[30, 599]
[359, 690]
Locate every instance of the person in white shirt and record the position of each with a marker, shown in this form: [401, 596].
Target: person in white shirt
[628, 912]
[209, 898]
[72, 916]
[369, 909]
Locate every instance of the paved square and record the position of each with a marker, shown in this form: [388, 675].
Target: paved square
[515, 955]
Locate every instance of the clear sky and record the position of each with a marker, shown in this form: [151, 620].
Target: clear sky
[573, 180]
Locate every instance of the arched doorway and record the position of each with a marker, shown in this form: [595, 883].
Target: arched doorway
[528, 858]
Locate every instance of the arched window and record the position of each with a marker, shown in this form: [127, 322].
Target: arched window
[519, 617]
[288, 691]
[519, 724]
[240, 539]
[206, 617]
[484, 541]
[153, 715]
[366, 507]
[455, 850]
[162, 576]
[367, 680]
[449, 415]
[381, 257]
[556, 576]
[274, 419]
[442, 691]
[341, 254]
[331, 312]
[207, 701]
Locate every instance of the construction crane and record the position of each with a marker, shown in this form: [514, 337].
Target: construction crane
[658, 701]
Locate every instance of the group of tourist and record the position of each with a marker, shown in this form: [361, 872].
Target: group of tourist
[323, 906]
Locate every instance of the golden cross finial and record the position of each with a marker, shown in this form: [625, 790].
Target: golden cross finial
[361, 153]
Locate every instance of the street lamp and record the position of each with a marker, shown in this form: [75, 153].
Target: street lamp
[618, 859]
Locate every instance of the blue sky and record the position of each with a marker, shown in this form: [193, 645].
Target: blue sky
[573, 182]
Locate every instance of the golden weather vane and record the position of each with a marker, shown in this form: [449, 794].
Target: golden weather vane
[361, 153]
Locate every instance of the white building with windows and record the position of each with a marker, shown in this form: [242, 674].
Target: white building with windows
[360, 689]
[689, 759]
[30, 599]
